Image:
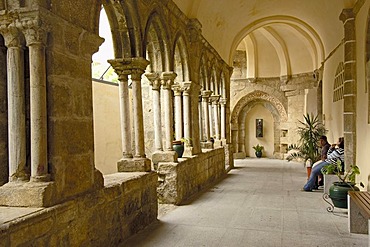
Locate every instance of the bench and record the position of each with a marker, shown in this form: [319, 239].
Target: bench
[358, 212]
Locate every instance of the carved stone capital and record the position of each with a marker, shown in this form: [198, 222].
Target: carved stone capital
[129, 66]
[154, 80]
[206, 94]
[167, 79]
[13, 37]
[223, 101]
[177, 89]
[214, 99]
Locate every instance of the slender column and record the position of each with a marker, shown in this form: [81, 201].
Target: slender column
[124, 103]
[156, 87]
[138, 66]
[187, 113]
[16, 107]
[36, 40]
[201, 125]
[210, 117]
[167, 79]
[178, 111]
[205, 100]
[223, 118]
[215, 99]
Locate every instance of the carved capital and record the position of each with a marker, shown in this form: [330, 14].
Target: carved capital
[13, 37]
[154, 80]
[206, 94]
[167, 79]
[223, 101]
[177, 89]
[214, 99]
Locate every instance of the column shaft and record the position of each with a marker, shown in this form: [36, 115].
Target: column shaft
[223, 119]
[39, 161]
[138, 114]
[187, 115]
[16, 115]
[124, 103]
[178, 113]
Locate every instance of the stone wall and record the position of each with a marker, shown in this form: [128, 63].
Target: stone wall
[180, 181]
[106, 217]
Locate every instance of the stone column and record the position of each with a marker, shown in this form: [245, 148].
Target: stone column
[156, 87]
[137, 71]
[178, 112]
[210, 117]
[36, 40]
[205, 102]
[167, 81]
[216, 118]
[187, 119]
[121, 68]
[16, 106]
[350, 85]
[201, 125]
[223, 119]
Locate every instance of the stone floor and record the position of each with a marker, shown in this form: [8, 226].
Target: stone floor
[258, 204]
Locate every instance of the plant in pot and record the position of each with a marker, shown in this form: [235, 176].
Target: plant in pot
[258, 150]
[310, 130]
[339, 190]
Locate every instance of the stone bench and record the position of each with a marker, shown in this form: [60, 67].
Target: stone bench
[358, 211]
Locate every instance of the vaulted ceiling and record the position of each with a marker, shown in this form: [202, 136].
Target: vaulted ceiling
[279, 37]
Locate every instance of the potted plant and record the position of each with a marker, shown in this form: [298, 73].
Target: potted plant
[258, 148]
[339, 190]
[309, 131]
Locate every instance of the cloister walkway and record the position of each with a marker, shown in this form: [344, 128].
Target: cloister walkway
[259, 203]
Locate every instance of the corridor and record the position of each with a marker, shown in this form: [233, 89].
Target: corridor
[259, 203]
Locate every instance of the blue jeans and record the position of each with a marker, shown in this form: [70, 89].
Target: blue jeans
[314, 173]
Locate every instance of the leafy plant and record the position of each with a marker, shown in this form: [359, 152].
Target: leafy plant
[309, 131]
[187, 141]
[258, 148]
[348, 176]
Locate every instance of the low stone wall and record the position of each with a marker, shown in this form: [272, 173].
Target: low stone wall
[126, 204]
[179, 181]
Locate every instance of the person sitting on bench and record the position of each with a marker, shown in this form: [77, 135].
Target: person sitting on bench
[335, 153]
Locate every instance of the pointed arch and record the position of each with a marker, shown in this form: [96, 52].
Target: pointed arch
[181, 58]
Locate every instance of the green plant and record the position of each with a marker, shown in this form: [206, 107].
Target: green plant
[348, 176]
[309, 132]
[258, 148]
[185, 140]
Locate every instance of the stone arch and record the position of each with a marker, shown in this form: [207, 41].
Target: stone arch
[203, 75]
[181, 59]
[244, 105]
[258, 95]
[125, 28]
[309, 35]
[156, 44]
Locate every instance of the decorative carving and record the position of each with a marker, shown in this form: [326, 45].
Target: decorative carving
[167, 79]
[154, 80]
[261, 96]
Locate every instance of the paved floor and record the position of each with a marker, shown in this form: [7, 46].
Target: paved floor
[258, 204]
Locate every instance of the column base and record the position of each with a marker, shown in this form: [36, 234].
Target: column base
[206, 145]
[134, 165]
[217, 144]
[164, 156]
[27, 194]
[188, 152]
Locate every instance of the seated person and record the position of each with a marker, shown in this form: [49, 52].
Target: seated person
[325, 146]
[334, 154]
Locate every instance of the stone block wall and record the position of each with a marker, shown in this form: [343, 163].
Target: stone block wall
[180, 181]
[106, 217]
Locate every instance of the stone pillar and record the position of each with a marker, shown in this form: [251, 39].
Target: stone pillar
[36, 41]
[216, 119]
[156, 87]
[187, 119]
[178, 112]
[201, 125]
[16, 106]
[122, 69]
[223, 119]
[139, 162]
[350, 85]
[205, 103]
[167, 79]
[211, 120]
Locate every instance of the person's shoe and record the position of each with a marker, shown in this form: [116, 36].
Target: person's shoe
[306, 190]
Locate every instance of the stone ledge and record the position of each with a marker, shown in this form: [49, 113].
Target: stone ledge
[27, 194]
[134, 165]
